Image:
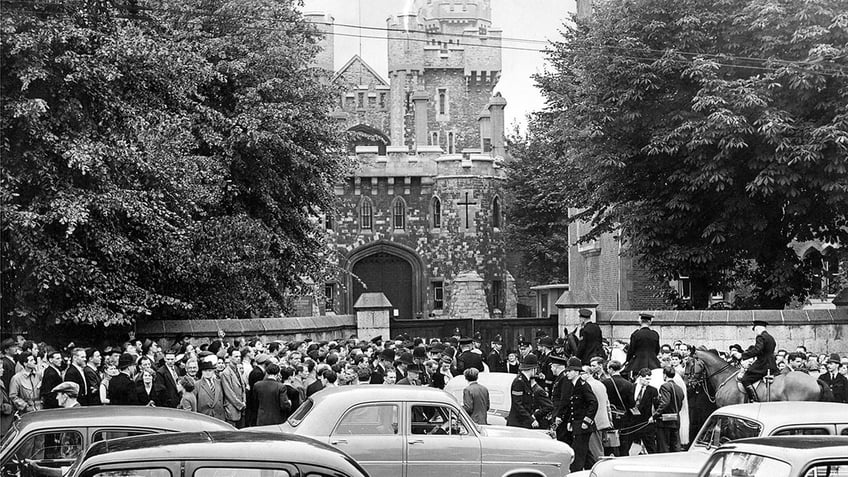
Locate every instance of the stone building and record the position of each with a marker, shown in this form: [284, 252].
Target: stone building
[421, 219]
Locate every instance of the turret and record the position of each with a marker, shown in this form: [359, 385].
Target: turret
[324, 23]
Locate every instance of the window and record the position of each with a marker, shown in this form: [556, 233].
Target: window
[443, 100]
[328, 221]
[399, 215]
[829, 469]
[329, 296]
[803, 431]
[543, 305]
[104, 434]
[382, 100]
[437, 421]
[497, 294]
[371, 420]
[301, 412]
[365, 215]
[487, 144]
[49, 446]
[732, 464]
[360, 100]
[434, 138]
[134, 473]
[450, 143]
[239, 472]
[438, 295]
[437, 213]
[496, 213]
[721, 429]
[372, 101]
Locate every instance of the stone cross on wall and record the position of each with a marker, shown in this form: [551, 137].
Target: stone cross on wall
[467, 210]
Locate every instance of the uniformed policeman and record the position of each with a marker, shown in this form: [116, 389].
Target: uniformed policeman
[521, 394]
[494, 360]
[468, 358]
[644, 347]
[560, 396]
[580, 415]
[765, 363]
[546, 345]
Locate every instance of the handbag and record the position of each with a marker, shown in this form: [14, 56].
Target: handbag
[611, 438]
[672, 416]
[617, 414]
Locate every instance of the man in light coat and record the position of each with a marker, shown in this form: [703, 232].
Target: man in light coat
[602, 416]
[235, 391]
[475, 397]
[210, 395]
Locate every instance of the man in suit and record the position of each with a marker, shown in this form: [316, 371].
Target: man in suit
[9, 348]
[591, 339]
[256, 374]
[838, 382]
[51, 377]
[210, 395]
[468, 358]
[638, 417]
[122, 390]
[165, 383]
[91, 372]
[580, 415]
[494, 360]
[765, 362]
[644, 347]
[475, 397]
[76, 374]
[386, 358]
[235, 391]
[620, 392]
[666, 417]
[271, 397]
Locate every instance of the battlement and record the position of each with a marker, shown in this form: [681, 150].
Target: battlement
[425, 161]
[452, 10]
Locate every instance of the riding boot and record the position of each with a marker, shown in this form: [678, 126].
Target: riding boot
[752, 393]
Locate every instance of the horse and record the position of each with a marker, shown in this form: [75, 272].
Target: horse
[793, 386]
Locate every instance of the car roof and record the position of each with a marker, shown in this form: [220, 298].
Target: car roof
[794, 448]
[121, 416]
[780, 413]
[218, 446]
[380, 392]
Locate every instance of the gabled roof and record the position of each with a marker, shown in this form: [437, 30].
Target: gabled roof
[354, 59]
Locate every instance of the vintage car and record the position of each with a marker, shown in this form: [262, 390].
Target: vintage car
[728, 424]
[215, 454]
[415, 431]
[55, 438]
[797, 456]
[498, 385]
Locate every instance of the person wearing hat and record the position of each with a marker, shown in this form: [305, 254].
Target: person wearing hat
[524, 348]
[644, 347]
[122, 391]
[560, 395]
[443, 375]
[386, 358]
[579, 415]
[256, 375]
[402, 364]
[764, 361]
[494, 360]
[210, 393]
[9, 348]
[467, 358]
[419, 356]
[838, 382]
[413, 374]
[591, 340]
[521, 394]
[66, 394]
[546, 345]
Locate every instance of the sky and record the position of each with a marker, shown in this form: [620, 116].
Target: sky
[538, 20]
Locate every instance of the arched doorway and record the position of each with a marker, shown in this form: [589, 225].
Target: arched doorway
[391, 269]
[364, 135]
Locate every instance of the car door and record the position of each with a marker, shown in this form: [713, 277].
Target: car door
[370, 433]
[440, 441]
[40, 451]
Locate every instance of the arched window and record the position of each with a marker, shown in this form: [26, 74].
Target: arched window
[434, 138]
[399, 214]
[450, 143]
[437, 213]
[443, 99]
[496, 213]
[366, 215]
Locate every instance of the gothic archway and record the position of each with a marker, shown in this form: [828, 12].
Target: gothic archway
[391, 268]
[364, 135]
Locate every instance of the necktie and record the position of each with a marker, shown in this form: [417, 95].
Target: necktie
[639, 396]
[212, 386]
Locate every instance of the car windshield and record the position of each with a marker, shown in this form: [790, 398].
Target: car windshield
[297, 417]
[720, 429]
[8, 438]
[743, 464]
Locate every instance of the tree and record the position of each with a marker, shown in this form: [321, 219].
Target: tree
[712, 133]
[161, 158]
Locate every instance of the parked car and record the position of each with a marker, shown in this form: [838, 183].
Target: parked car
[215, 454]
[796, 456]
[417, 431]
[55, 438]
[728, 424]
[498, 385]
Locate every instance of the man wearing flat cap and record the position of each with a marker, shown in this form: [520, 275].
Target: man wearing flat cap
[644, 347]
[66, 394]
[591, 342]
[838, 382]
[764, 362]
[521, 394]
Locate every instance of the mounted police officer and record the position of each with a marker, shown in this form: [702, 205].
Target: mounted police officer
[521, 393]
[644, 347]
[591, 340]
[765, 362]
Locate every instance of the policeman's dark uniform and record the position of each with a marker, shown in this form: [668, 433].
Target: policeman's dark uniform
[765, 363]
[581, 415]
[591, 342]
[521, 394]
[644, 348]
[494, 359]
[468, 359]
[547, 375]
[561, 390]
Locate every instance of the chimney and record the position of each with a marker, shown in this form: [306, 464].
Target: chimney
[484, 120]
[419, 99]
[584, 9]
[496, 110]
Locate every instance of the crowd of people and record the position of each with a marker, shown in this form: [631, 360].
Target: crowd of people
[596, 396]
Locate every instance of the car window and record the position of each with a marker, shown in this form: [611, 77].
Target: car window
[803, 431]
[829, 469]
[436, 420]
[104, 434]
[741, 464]
[59, 445]
[133, 473]
[375, 419]
[720, 429]
[7, 439]
[301, 412]
[844, 432]
[239, 472]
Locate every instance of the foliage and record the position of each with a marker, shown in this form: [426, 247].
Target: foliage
[160, 159]
[713, 133]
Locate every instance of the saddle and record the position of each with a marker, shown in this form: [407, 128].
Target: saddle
[767, 380]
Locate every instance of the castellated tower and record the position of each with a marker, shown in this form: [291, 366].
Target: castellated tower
[323, 23]
[448, 52]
